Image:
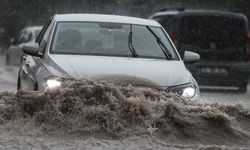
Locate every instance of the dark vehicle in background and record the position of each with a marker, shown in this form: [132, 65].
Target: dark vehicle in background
[14, 54]
[220, 37]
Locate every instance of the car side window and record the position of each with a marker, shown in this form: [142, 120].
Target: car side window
[42, 38]
[41, 34]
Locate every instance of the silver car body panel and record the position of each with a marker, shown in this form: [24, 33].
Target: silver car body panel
[105, 18]
[165, 73]
[162, 72]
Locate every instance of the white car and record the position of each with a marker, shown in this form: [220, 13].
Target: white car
[14, 54]
[90, 45]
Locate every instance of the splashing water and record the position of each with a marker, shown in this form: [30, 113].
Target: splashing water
[102, 108]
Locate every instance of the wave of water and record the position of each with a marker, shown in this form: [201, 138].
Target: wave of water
[105, 109]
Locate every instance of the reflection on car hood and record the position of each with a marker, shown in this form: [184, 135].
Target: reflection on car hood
[161, 72]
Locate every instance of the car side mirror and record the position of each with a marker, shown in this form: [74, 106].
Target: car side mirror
[32, 49]
[191, 57]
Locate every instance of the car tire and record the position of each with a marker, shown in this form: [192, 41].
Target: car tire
[243, 89]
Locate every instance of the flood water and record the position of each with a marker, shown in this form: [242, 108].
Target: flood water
[99, 114]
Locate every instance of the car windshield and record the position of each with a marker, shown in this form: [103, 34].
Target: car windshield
[110, 39]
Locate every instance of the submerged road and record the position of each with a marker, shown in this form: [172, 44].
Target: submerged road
[20, 134]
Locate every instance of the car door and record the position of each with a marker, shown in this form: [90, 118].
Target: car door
[33, 66]
[41, 68]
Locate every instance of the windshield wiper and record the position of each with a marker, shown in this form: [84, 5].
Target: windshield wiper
[163, 47]
[130, 43]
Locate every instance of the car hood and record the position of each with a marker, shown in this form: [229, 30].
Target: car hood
[162, 72]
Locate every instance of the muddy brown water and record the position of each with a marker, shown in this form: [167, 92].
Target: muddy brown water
[99, 114]
[96, 114]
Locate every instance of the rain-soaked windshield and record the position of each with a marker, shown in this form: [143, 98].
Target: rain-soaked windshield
[109, 39]
[126, 83]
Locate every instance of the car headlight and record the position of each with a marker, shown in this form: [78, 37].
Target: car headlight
[187, 90]
[52, 83]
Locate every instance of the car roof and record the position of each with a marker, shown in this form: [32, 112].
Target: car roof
[191, 12]
[105, 18]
